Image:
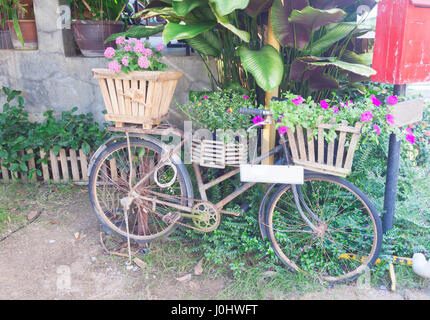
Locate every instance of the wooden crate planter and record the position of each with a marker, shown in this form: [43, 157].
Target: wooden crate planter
[218, 154]
[140, 97]
[69, 165]
[317, 154]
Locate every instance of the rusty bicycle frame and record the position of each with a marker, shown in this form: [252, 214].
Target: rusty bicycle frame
[202, 187]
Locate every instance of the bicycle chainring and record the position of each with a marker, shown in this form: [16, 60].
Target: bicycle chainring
[206, 217]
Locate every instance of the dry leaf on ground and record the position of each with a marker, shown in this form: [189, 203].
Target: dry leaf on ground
[139, 263]
[185, 278]
[198, 270]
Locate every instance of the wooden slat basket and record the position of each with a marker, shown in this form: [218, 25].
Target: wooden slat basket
[140, 97]
[316, 154]
[218, 154]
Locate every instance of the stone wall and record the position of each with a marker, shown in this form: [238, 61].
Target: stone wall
[52, 78]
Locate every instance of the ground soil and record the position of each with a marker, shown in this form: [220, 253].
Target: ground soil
[48, 260]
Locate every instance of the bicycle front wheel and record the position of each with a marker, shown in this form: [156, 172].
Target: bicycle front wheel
[109, 183]
[348, 236]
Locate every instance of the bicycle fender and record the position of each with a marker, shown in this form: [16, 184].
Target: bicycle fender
[262, 212]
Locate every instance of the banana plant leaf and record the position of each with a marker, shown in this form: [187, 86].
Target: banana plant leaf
[137, 32]
[175, 31]
[337, 32]
[356, 68]
[315, 18]
[206, 43]
[265, 65]
[285, 31]
[225, 7]
[329, 4]
[225, 22]
[183, 7]
[255, 7]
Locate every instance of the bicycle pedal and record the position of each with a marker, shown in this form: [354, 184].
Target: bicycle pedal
[171, 217]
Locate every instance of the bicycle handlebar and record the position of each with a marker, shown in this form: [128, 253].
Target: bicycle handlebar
[257, 112]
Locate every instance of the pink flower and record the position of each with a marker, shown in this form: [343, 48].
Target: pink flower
[409, 130]
[124, 61]
[297, 101]
[335, 110]
[138, 47]
[375, 101]
[120, 41]
[342, 105]
[377, 129]
[282, 130]
[205, 97]
[410, 138]
[143, 62]
[147, 52]
[245, 97]
[257, 119]
[367, 116]
[390, 118]
[114, 66]
[128, 48]
[324, 104]
[229, 111]
[160, 47]
[392, 100]
[109, 53]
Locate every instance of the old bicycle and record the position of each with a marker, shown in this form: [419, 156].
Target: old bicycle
[140, 189]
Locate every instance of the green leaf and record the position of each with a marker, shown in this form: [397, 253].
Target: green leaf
[183, 7]
[285, 31]
[174, 31]
[359, 69]
[225, 22]
[265, 65]
[255, 7]
[333, 35]
[137, 32]
[86, 147]
[225, 7]
[315, 18]
[207, 43]
[16, 27]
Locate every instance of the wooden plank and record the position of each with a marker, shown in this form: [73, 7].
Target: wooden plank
[54, 166]
[134, 105]
[120, 96]
[323, 168]
[311, 146]
[84, 165]
[74, 165]
[113, 95]
[352, 146]
[320, 145]
[301, 142]
[341, 148]
[64, 166]
[4, 172]
[127, 101]
[149, 99]
[106, 97]
[45, 168]
[32, 165]
[330, 149]
[142, 91]
[293, 146]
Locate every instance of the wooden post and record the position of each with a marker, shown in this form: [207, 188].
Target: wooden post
[269, 134]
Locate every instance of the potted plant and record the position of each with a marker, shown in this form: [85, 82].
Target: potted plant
[323, 135]
[225, 142]
[94, 21]
[137, 87]
[19, 17]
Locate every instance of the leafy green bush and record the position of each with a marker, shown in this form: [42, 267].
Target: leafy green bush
[18, 134]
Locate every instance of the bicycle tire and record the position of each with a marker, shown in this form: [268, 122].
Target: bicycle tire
[102, 213]
[304, 250]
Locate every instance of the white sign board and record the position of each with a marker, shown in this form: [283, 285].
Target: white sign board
[271, 174]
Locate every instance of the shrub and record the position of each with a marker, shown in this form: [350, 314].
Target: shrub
[18, 134]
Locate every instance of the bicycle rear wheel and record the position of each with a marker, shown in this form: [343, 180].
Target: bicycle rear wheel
[349, 234]
[109, 183]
